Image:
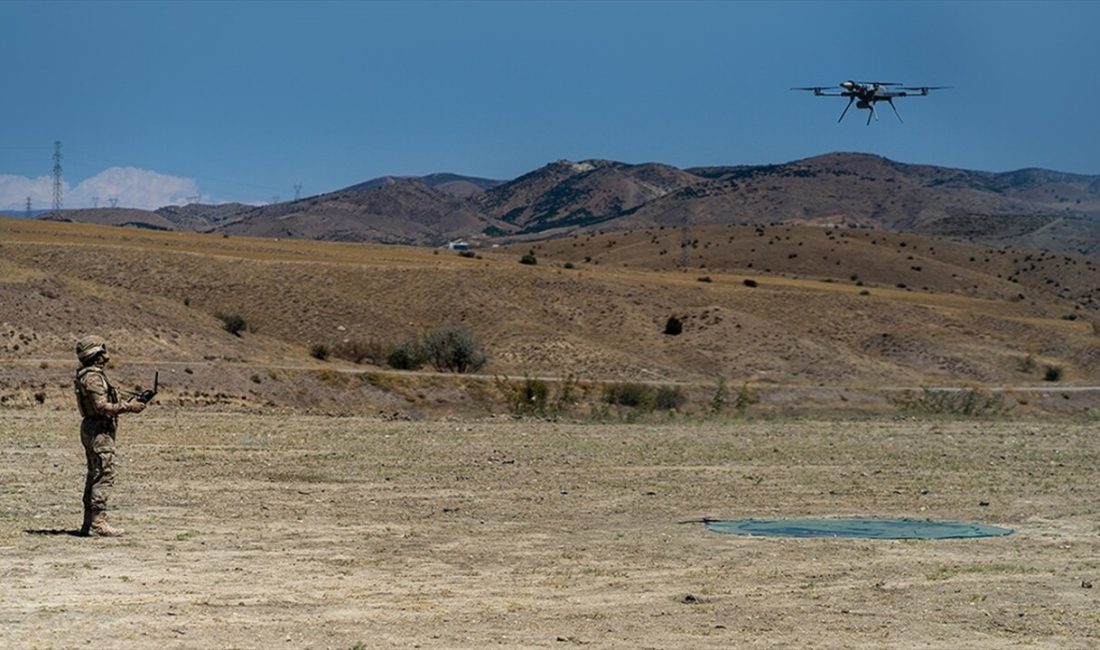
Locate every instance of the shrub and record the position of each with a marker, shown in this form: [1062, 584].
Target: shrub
[529, 258]
[669, 398]
[319, 351]
[953, 402]
[568, 265]
[1052, 373]
[452, 348]
[749, 282]
[528, 396]
[629, 394]
[406, 355]
[673, 326]
[232, 323]
[360, 351]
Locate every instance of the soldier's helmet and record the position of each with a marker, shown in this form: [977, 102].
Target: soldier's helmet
[89, 346]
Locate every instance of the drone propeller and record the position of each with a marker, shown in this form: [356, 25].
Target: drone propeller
[881, 83]
[923, 89]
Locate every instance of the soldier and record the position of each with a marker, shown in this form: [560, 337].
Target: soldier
[98, 400]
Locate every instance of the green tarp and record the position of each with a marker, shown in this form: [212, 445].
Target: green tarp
[857, 527]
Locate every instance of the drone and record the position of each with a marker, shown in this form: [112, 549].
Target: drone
[866, 93]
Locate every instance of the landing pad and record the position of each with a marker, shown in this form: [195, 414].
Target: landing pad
[857, 527]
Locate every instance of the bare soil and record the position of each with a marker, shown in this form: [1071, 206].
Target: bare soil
[294, 531]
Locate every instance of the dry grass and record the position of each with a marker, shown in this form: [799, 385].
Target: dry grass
[155, 296]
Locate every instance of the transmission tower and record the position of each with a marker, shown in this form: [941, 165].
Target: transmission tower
[297, 191]
[28, 207]
[95, 201]
[57, 175]
[113, 201]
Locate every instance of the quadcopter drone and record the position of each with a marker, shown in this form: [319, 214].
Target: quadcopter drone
[866, 93]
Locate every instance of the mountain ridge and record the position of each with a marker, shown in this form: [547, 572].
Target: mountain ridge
[1031, 206]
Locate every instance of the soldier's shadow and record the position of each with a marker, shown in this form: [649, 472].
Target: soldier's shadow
[53, 532]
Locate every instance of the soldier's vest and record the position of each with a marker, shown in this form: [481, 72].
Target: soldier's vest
[84, 400]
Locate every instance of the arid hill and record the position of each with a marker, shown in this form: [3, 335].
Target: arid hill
[1029, 208]
[788, 308]
[453, 184]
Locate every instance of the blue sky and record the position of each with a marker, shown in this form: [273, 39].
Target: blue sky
[158, 101]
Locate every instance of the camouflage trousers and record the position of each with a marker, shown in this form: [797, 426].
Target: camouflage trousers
[98, 436]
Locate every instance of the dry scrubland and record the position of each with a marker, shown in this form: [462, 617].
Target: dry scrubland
[262, 531]
[255, 524]
[833, 320]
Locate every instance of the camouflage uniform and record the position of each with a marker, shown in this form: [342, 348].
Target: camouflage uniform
[98, 401]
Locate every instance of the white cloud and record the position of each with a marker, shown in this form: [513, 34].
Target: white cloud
[128, 186]
[14, 191]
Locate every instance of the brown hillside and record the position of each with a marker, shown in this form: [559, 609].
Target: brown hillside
[155, 295]
[404, 211]
[567, 194]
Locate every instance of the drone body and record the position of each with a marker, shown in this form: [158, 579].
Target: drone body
[865, 94]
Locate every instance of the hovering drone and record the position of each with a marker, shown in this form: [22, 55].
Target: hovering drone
[866, 93]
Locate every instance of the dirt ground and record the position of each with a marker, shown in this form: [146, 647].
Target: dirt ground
[311, 532]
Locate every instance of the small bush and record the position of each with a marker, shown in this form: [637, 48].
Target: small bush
[705, 278]
[1052, 373]
[669, 398]
[469, 254]
[360, 351]
[629, 394]
[528, 396]
[406, 355]
[232, 323]
[529, 258]
[319, 351]
[452, 348]
[673, 326]
[750, 283]
[971, 402]
[568, 265]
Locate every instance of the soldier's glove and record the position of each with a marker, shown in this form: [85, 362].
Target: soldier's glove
[135, 406]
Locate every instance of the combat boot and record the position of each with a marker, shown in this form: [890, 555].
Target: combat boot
[86, 527]
[100, 527]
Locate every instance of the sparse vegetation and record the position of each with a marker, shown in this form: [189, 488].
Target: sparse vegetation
[749, 282]
[965, 401]
[361, 351]
[635, 395]
[669, 398]
[674, 326]
[319, 351]
[1052, 373]
[529, 258]
[453, 349]
[232, 323]
[406, 355]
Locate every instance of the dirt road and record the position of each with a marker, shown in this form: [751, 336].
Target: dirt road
[248, 531]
